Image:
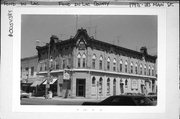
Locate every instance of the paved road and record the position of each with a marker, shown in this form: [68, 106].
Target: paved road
[42, 101]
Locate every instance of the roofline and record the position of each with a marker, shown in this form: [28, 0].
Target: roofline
[31, 57]
[106, 43]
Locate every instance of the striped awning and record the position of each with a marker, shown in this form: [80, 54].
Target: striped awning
[36, 83]
[51, 81]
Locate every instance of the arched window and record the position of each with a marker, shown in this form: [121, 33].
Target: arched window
[126, 83]
[114, 64]
[94, 61]
[84, 60]
[108, 86]
[140, 69]
[145, 69]
[56, 64]
[108, 63]
[100, 85]
[152, 71]
[93, 81]
[79, 60]
[100, 62]
[126, 67]
[149, 70]
[114, 87]
[136, 68]
[120, 67]
[131, 67]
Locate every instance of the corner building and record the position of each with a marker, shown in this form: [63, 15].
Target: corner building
[97, 69]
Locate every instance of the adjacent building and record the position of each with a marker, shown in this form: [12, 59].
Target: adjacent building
[85, 67]
[29, 80]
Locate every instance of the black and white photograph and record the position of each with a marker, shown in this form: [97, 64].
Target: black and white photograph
[76, 59]
[89, 60]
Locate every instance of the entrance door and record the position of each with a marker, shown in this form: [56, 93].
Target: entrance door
[121, 88]
[142, 89]
[80, 87]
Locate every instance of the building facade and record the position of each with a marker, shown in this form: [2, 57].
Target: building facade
[29, 68]
[86, 67]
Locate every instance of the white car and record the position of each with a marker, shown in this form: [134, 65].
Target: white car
[24, 94]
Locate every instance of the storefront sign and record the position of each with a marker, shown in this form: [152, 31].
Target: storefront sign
[66, 76]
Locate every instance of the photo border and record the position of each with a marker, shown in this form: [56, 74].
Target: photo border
[161, 62]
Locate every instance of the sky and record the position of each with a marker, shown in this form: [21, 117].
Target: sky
[127, 31]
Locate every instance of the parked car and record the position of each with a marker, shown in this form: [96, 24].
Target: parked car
[123, 100]
[152, 96]
[24, 94]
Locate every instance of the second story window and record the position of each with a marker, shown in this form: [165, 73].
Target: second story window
[136, 68]
[140, 69]
[27, 70]
[100, 63]
[84, 60]
[145, 69]
[152, 71]
[45, 66]
[149, 70]
[126, 67]
[108, 63]
[93, 61]
[64, 63]
[79, 60]
[40, 67]
[131, 67]
[32, 71]
[120, 67]
[114, 65]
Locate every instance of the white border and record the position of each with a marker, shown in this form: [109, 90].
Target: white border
[161, 13]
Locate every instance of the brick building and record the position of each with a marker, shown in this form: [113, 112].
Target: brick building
[29, 79]
[96, 69]
[29, 68]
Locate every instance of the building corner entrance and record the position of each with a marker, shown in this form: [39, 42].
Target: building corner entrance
[80, 87]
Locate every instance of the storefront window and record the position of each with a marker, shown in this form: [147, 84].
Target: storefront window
[93, 81]
[108, 86]
[126, 83]
[100, 85]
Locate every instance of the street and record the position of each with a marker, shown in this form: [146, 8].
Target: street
[54, 101]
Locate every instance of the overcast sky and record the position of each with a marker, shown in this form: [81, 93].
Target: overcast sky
[127, 31]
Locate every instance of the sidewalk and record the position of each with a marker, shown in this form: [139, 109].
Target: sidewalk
[68, 99]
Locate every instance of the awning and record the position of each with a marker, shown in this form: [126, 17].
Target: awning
[51, 81]
[35, 83]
